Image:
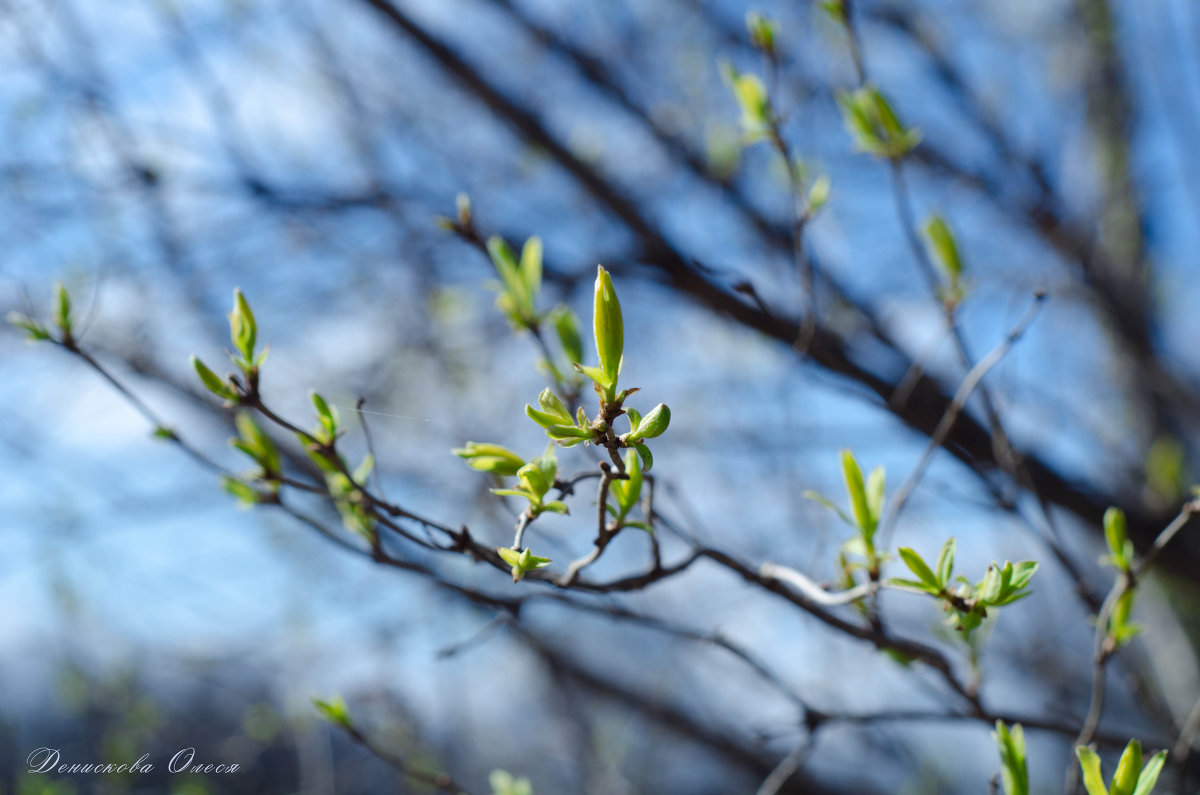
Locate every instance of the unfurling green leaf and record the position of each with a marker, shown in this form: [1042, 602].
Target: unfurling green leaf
[858, 494]
[1150, 773]
[252, 441]
[566, 432]
[1133, 777]
[1011, 744]
[62, 310]
[1089, 763]
[521, 561]
[246, 495]
[243, 329]
[644, 453]
[490, 458]
[919, 567]
[874, 125]
[551, 403]
[327, 416]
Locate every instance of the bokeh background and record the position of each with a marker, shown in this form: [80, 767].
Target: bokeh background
[158, 153]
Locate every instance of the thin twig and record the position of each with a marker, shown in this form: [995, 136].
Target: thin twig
[969, 383]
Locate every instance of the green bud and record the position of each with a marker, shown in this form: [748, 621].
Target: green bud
[545, 419]
[1115, 535]
[327, 415]
[628, 492]
[608, 326]
[1089, 764]
[256, 444]
[533, 479]
[551, 403]
[563, 432]
[858, 495]
[644, 453]
[519, 299]
[243, 329]
[62, 309]
[653, 424]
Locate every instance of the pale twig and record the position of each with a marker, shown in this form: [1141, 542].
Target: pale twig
[813, 591]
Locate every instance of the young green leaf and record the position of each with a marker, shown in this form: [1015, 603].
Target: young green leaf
[551, 403]
[945, 564]
[653, 424]
[1150, 773]
[1129, 769]
[919, 567]
[521, 561]
[1120, 548]
[944, 248]
[62, 310]
[213, 382]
